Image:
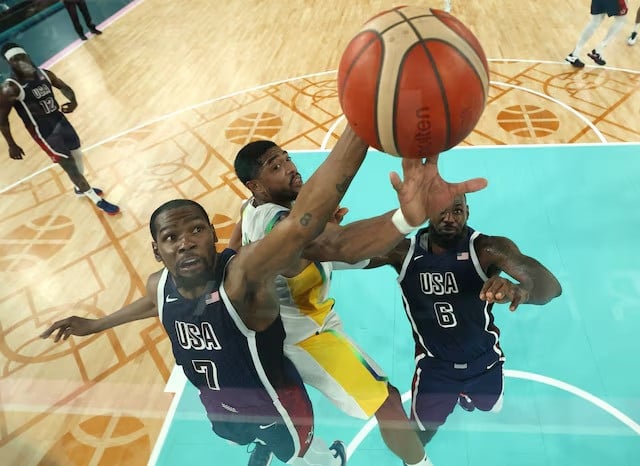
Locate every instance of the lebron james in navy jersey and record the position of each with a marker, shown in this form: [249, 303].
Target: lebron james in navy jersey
[449, 279]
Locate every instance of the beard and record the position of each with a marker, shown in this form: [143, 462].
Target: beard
[446, 240]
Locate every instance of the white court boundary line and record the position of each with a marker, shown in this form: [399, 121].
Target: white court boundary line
[515, 374]
[273, 83]
[176, 385]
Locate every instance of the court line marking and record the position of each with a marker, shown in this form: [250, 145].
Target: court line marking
[579, 115]
[176, 384]
[256, 88]
[558, 102]
[516, 374]
[567, 64]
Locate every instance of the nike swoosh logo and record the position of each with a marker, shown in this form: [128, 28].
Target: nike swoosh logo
[418, 257]
[490, 366]
[267, 426]
[170, 299]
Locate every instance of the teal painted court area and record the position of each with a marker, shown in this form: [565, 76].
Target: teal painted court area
[572, 395]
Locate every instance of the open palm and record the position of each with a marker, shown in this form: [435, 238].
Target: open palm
[423, 192]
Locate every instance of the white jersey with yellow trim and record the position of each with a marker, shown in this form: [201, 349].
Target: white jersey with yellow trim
[305, 305]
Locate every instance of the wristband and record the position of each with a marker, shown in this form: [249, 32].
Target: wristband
[401, 223]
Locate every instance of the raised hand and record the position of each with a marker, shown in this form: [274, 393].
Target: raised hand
[500, 290]
[423, 192]
[73, 325]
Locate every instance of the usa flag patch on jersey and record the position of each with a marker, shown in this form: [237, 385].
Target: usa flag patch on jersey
[213, 298]
[462, 256]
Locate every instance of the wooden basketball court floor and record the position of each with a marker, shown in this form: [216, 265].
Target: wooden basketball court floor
[163, 109]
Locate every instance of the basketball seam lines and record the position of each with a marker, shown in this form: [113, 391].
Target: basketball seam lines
[377, 38]
[443, 92]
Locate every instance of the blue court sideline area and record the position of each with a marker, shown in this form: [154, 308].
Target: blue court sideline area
[572, 393]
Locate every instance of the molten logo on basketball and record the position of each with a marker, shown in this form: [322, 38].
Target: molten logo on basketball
[423, 132]
[411, 62]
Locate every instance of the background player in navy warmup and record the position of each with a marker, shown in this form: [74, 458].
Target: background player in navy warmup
[449, 278]
[228, 310]
[30, 91]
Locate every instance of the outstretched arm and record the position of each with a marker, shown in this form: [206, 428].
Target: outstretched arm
[8, 95]
[536, 284]
[422, 191]
[141, 308]
[66, 91]
[251, 274]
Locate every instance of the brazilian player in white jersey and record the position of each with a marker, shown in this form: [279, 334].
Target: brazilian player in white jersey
[316, 343]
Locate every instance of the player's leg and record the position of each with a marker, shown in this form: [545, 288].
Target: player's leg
[65, 140]
[87, 17]
[434, 396]
[485, 391]
[73, 14]
[588, 31]
[634, 33]
[618, 11]
[292, 441]
[447, 6]
[345, 374]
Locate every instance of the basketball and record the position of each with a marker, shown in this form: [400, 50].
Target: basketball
[413, 82]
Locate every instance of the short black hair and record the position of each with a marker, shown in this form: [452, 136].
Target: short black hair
[8, 46]
[170, 205]
[247, 162]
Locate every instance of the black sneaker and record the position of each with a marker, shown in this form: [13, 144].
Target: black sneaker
[575, 61]
[632, 38]
[107, 207]
[96, 31]
[339, 452]
[595, 56]
[260, 456]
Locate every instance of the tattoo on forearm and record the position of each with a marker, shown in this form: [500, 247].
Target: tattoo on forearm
[342, 187]
[305, 220]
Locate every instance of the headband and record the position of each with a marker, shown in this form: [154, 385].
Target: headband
[12, 52]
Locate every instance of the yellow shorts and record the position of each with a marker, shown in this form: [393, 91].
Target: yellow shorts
[338, 368]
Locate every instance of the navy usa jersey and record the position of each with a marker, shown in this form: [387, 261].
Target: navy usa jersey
[36, 102]
[236, 369]
[441, 298]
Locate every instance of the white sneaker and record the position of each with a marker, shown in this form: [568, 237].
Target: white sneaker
[632, 38]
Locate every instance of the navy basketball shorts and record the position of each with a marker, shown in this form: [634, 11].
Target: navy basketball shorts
[285, 425]
[55, 135]
[437, 385]
[610, 7]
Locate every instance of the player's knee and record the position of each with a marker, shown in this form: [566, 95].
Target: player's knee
[392, 408]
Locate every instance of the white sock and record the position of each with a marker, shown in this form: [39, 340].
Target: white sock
[636, 27]
[423, 462]
[613, 30]
[587, 33]
[91, 194]
[77, 157]
[318, 454]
